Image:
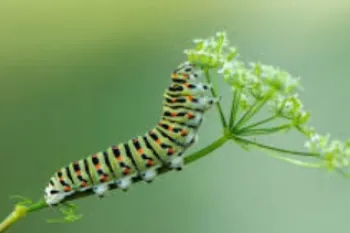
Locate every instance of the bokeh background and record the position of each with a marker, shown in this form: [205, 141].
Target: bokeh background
[77, 76]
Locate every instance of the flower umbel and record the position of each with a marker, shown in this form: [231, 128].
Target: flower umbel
[256, 84]
[336, 154]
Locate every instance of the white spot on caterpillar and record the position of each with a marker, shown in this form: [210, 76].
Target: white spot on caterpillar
[196, 121]
[149, 175]
[190, 137]
[177, 163]
[100, 189]
[124, 183]
[204, 87]
[52, 199]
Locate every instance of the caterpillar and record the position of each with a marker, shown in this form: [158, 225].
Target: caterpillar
[184, 104]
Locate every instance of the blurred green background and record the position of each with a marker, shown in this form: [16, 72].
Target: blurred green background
[77, 76]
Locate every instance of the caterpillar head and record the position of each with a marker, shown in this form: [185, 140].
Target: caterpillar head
[187, 72]
[52, 195]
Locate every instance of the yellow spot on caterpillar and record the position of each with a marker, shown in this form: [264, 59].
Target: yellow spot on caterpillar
[185, 76]
[189, 98]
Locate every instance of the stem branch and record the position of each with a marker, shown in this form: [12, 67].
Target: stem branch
[272, 148]
[252, 111]
[234, 107]
[259, 122]
[218, 105]
[263, 131]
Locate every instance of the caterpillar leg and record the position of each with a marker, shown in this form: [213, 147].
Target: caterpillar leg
[124, 183]
[84, 189]
[177, 163]
[207, 102]
[100, 189]
[190, 138]
[205, 86]
[149, 175]
[193, 141]
[196, 121]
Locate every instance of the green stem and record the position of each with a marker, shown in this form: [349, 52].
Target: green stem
[203, 152]
[37, 206]
[251, 112]
[218, 105]
[295, 161]
[234, 108]
[262, 131]
[301, 130]
[272, 148]
[259, 123]
[21, 211]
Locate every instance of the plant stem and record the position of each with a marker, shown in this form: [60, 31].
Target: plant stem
[272, 148]
[295, 161]
[18, 213]
[37, 206]
[206, 150]
[234, 108]
[21, 211]
[259, 123]
[262, 131]
[251, 112]
[218, 105]
[303, 131]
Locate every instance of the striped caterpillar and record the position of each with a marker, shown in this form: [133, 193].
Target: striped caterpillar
[183, 108]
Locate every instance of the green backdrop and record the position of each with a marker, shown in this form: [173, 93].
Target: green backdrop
[77, 76]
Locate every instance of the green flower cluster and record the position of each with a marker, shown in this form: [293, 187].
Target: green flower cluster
[256, 85]
[212, 52]
[255, 82]
[336, 153]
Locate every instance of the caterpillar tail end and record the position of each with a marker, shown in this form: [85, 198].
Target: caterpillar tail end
[53, 197]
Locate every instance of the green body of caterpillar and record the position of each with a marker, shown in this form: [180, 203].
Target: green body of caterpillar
[182, 114]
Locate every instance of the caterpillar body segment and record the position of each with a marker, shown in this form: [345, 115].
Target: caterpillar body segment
[183, 116]
[180, 133]
[202, 103]
[186, 72]
[191, 89]
[185, 103]
[145, 160]
[121, 164]
[100, 172]
[80, 176]
[162, 146]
